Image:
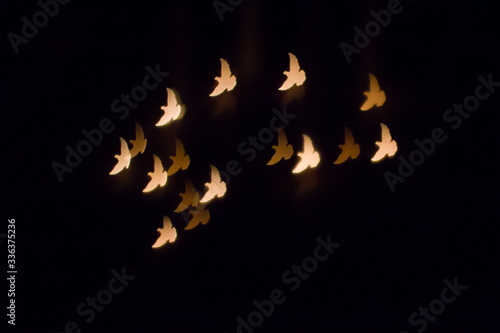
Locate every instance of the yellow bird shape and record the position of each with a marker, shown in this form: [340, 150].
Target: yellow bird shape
[200, 216]
[283, 149]
[190, 198]
[350, 149]
[180, 160]
[373, 97]
[139, 144]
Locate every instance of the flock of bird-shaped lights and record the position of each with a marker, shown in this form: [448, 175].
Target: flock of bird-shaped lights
[216, 188]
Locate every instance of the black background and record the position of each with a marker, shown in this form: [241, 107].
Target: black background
[397, 248]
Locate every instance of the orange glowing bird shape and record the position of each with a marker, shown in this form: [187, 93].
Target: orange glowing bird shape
[309, 158]
[387, 147]
[181, 160]
[216, 188]
[295, 76]
[172, 111]
[158, 177]
[168, 234]
[226, 81]
[283, 149]
[139, 144]
[190, 198]
[373, 97]
[350, 149]
[199, 216]
[123, 158]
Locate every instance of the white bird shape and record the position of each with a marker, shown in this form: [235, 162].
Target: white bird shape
[123, 158]
[226, 81]
[387, 147]
[295, 76]
[216, 188]
[172, 110]
[309, 158]
[158, 176]
[167, 233]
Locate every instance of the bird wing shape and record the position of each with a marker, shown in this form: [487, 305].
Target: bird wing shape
[139, 133]
[124, 148]
[179, 148]
[386, 134]
[158, 167]
[282, 141]
[171, 99]
[225, 71]
[374, 87]
[123, 158]
[349, 139]
[308, 146]
[215, 175]
[294, 63]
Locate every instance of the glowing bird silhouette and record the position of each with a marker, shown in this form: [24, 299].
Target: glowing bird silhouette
[350, 149]
[283, 149]
[167, 233]
[216, 188]
[375, 96]
[181, 160]
[387, 147]
[139, 144]
[158, 176]
[200, 215]
[172, 110]
[226, 81]
[123, 158]
[309, 158]
[190, 198]
[295, 76]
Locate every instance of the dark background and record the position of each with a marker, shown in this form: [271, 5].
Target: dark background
[397, 248]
